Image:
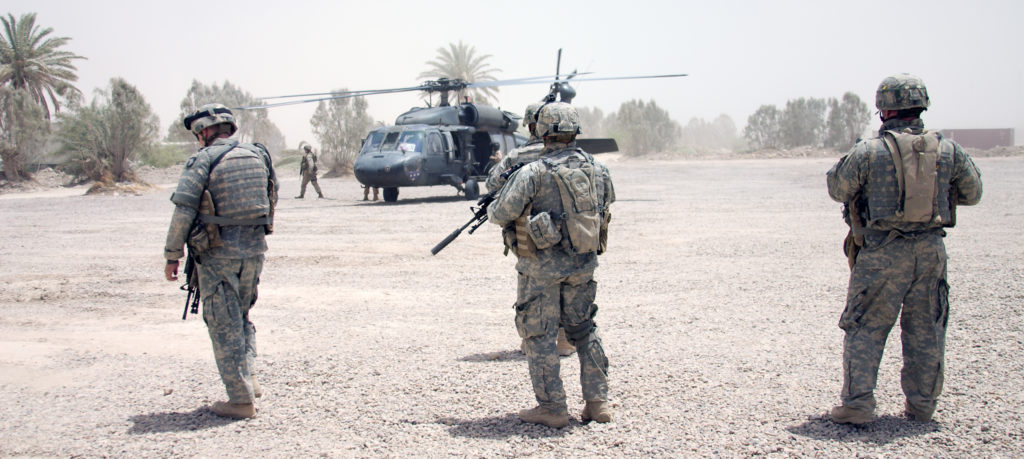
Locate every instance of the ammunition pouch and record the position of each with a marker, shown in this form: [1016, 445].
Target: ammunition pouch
[524, 245]
[606, 218]
[542, 230]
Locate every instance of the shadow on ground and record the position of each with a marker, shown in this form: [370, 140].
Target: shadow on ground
[197, 419]
[499, 356]
[883, 430]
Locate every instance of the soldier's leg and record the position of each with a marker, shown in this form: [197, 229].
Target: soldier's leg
[923, 325]
[577, 316]
[376, 193]
[248, 291]
[316, 186]
[537, 312]
[366, 193]
[223, 314]
[302, 191]
[878, 284]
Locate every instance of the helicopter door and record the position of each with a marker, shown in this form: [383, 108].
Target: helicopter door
[436, 153]
[448, 146]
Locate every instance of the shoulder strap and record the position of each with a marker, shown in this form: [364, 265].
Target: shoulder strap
[224, 149]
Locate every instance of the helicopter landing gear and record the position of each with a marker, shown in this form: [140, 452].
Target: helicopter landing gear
[472, 189]
[390, 194]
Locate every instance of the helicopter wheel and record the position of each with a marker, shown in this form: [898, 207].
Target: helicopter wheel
[390, 194]
[472, 189]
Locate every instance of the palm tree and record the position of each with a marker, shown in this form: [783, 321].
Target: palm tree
[32, 61]
[461, 61]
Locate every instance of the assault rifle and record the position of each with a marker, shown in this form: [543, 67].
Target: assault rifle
[191, 285]
[479, 212]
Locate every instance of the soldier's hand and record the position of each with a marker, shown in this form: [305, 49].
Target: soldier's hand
[171, 270]
[496, 157]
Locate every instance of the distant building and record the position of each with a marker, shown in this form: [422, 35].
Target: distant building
[982, 139]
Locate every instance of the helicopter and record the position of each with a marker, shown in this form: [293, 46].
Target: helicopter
[449, 144]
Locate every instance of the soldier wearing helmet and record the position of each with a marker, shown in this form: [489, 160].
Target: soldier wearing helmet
[308, 170]
[901, 190]
[555, 214]
[224, 208]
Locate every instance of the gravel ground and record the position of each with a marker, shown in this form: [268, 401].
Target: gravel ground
[719, 299]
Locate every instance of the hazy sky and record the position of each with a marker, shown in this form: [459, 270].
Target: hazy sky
[739, 54]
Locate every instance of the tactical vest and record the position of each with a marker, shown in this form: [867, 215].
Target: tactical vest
[580, 190]
[909, 179]
[238, 184]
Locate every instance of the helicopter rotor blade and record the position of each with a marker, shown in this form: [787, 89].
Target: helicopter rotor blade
[344, 95]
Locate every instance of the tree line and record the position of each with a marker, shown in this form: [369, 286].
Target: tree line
[103, 139]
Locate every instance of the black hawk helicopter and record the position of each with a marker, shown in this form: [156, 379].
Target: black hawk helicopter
[448, 144]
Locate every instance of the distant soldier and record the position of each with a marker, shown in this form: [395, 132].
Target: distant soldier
[525, 154]
[224, 207]
[555, 211]
[366, 192]
[308, 170]
[901, 189]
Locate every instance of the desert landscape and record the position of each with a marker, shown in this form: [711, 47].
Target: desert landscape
[719, 302]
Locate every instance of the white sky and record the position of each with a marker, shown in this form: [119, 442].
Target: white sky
[740, 54]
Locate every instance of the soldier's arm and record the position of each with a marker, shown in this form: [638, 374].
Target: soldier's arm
[186, 201]
[966, 179]
[609, 188]
[514, 196]
[494, 180]
[846, 177]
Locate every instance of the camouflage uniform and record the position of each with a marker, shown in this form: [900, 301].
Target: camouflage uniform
[308, 169]
[555, 286]
[525, 154]
[902, 263]
[228, 274]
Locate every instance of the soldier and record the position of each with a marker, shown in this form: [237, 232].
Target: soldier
[366, 192]
[233, 189]
[525, 154]
[555, 214]
[308, 170]
[902, 189]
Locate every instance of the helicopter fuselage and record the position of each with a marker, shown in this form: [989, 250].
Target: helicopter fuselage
[448, 145]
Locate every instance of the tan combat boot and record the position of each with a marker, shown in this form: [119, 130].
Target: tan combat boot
[541, 415]
[257, 391]
[234, 410]
[564, 348]
[916, 414]
[597, 411]
[845, 415]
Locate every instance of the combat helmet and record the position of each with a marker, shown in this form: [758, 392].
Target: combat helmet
[558, 119]
[901, 91]
[530, 116]
[210, 115]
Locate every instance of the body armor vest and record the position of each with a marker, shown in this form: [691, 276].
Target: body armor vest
[908, 184]
[238, 184]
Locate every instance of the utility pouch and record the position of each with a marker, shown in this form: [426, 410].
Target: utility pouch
[543, 231]
[198, 239]
[602, 245]
[206, 207]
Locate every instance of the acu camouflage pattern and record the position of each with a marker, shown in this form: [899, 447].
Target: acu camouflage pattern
[902, 91]
[242, 185]
[902, 266]
[525, 154]
[308, 170]
[229, 290]
[555, 288]
[558, 118]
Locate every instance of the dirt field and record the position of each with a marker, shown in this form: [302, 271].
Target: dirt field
[719, 299]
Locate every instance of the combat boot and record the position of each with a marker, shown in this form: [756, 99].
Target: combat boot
[541, 415]
[597, 411]
[234, 410]
[845, 415]
[257, 391]
[564, 348]
[916, 414]
[300, 197]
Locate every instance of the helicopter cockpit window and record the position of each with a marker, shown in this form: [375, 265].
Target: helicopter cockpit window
[390, 142]
[372, 142]
[411, 141]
